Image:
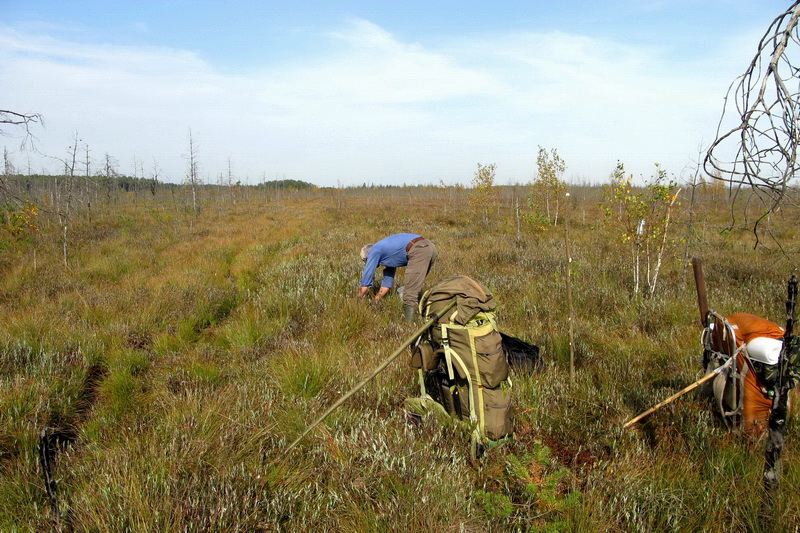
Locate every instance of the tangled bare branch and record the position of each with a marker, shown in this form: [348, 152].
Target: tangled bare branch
[26, 120]
[760, 152]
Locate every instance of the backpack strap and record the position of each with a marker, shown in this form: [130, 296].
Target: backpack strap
[481, 407]
[718, 351]
[474, 414]
[423, 392]
[480, 325]
[449, 353]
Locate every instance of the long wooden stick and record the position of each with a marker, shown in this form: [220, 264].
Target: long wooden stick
[678, 394]
[422, 329]
[699, 281]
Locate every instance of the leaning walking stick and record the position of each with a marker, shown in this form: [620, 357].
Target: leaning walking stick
[422, 329]
[777, 417]
[677, 395]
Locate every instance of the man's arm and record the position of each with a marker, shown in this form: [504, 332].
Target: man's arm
[370, 265]
[388, 277]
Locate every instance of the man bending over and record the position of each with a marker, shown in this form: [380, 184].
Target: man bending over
[409, 250]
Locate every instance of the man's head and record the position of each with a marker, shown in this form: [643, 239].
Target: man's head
[365, 252]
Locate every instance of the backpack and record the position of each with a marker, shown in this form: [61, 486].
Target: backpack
[722, 356]
[461, 361]
[727, 388]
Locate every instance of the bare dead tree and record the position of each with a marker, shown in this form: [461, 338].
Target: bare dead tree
[155, 175]
[759, 153]
[8, 166]
[11, 190]
[109, 173]
[64, 206]
[193, 172]
[87, 176]
[12, 118]
[8, 171]
[229, 181]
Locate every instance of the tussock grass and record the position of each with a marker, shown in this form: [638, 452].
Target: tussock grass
[178, 355]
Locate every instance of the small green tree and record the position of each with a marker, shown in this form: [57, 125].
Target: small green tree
[483, 197]
[548, 186]
[643, 216]
[661, 196]
[17, 223]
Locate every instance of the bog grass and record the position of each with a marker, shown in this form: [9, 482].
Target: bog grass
[178, 355]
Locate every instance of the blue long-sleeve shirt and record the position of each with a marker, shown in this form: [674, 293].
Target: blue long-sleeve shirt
[389, 253]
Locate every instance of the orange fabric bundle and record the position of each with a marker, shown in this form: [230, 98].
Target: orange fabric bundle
[757, 406]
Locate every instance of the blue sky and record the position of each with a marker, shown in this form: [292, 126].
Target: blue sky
[346, 92]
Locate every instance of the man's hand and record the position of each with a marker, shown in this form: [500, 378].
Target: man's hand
[383, 291]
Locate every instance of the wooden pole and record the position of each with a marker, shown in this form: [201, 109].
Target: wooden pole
[699, 282]
[422, 329]
[678, 394]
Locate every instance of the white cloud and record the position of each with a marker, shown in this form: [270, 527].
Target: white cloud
[370, 108]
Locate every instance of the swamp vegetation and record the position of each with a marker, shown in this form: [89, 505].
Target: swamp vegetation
[172, 353]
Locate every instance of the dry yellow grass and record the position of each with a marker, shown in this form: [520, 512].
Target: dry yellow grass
[178, 355]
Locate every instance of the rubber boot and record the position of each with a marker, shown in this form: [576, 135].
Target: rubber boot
[408, 313]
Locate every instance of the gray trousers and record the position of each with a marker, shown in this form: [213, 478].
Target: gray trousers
[421, 258]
